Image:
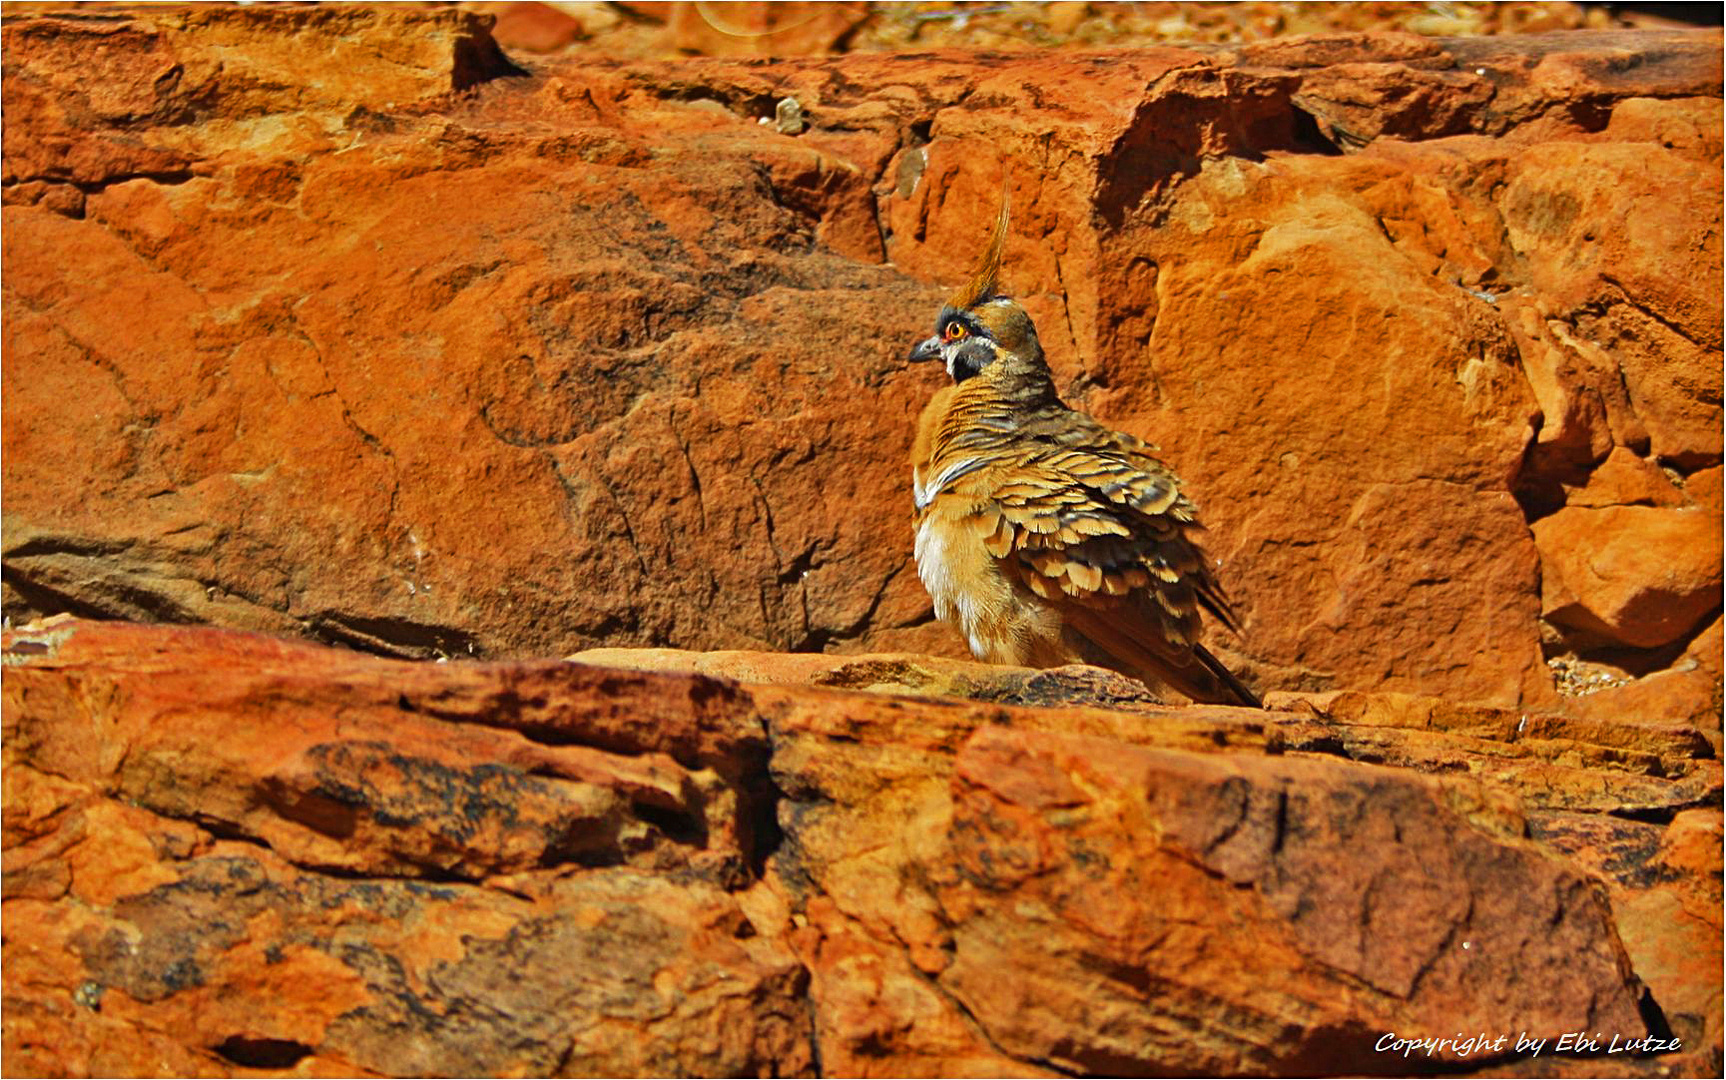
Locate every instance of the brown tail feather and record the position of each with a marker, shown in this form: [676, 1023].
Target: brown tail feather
[1195, 673]
[1227, 678]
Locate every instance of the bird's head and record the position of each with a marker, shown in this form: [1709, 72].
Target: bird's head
[979, 330]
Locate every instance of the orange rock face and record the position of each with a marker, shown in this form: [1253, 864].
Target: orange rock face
[450, 353]
[225, 853]
[338, 325]
[1637, 575]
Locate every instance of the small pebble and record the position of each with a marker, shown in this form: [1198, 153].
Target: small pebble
[788, 116]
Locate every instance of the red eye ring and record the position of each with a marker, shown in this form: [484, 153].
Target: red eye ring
[954, 332]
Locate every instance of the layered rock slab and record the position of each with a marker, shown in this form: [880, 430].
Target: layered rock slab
[560, 868]
[193, 873]
[428, 357]
[1635, 575]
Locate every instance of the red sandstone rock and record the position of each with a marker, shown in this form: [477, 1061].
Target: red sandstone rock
[1635, 575]
[541, 28]
[263, 862]
[1598, 255]
[1624, 479]
[638, 385]
[1689, 690]
[316, 322]
[795, 28]
[1665, 884]
[984, 27]
[1704, 488]
[1094, 878]
[946, 887]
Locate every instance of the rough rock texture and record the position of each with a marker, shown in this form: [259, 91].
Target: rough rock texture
[225, 853]
[338, 322]
[654, 28]
[1637, 575]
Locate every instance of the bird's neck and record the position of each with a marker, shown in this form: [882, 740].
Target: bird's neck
[988, 412]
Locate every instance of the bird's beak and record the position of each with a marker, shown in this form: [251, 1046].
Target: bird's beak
[927, 349]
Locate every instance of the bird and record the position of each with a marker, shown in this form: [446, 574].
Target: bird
[1044, 536]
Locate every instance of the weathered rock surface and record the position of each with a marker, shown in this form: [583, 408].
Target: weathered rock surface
[1636, 575]
[1690, 689]
[340, 323]
[657, 28]
[227, 853]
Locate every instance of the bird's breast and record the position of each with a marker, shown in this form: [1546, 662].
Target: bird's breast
[949, 561]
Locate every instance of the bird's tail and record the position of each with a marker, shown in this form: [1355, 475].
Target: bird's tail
[1192, 671]
[1227, 678]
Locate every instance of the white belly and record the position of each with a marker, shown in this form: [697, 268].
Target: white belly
[968, 592]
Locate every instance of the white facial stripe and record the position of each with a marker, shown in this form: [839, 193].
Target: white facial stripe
[950, 353]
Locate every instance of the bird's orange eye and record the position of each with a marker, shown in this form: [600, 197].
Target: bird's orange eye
[954, 331]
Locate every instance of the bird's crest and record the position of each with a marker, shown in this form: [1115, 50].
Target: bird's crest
[985, 277]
